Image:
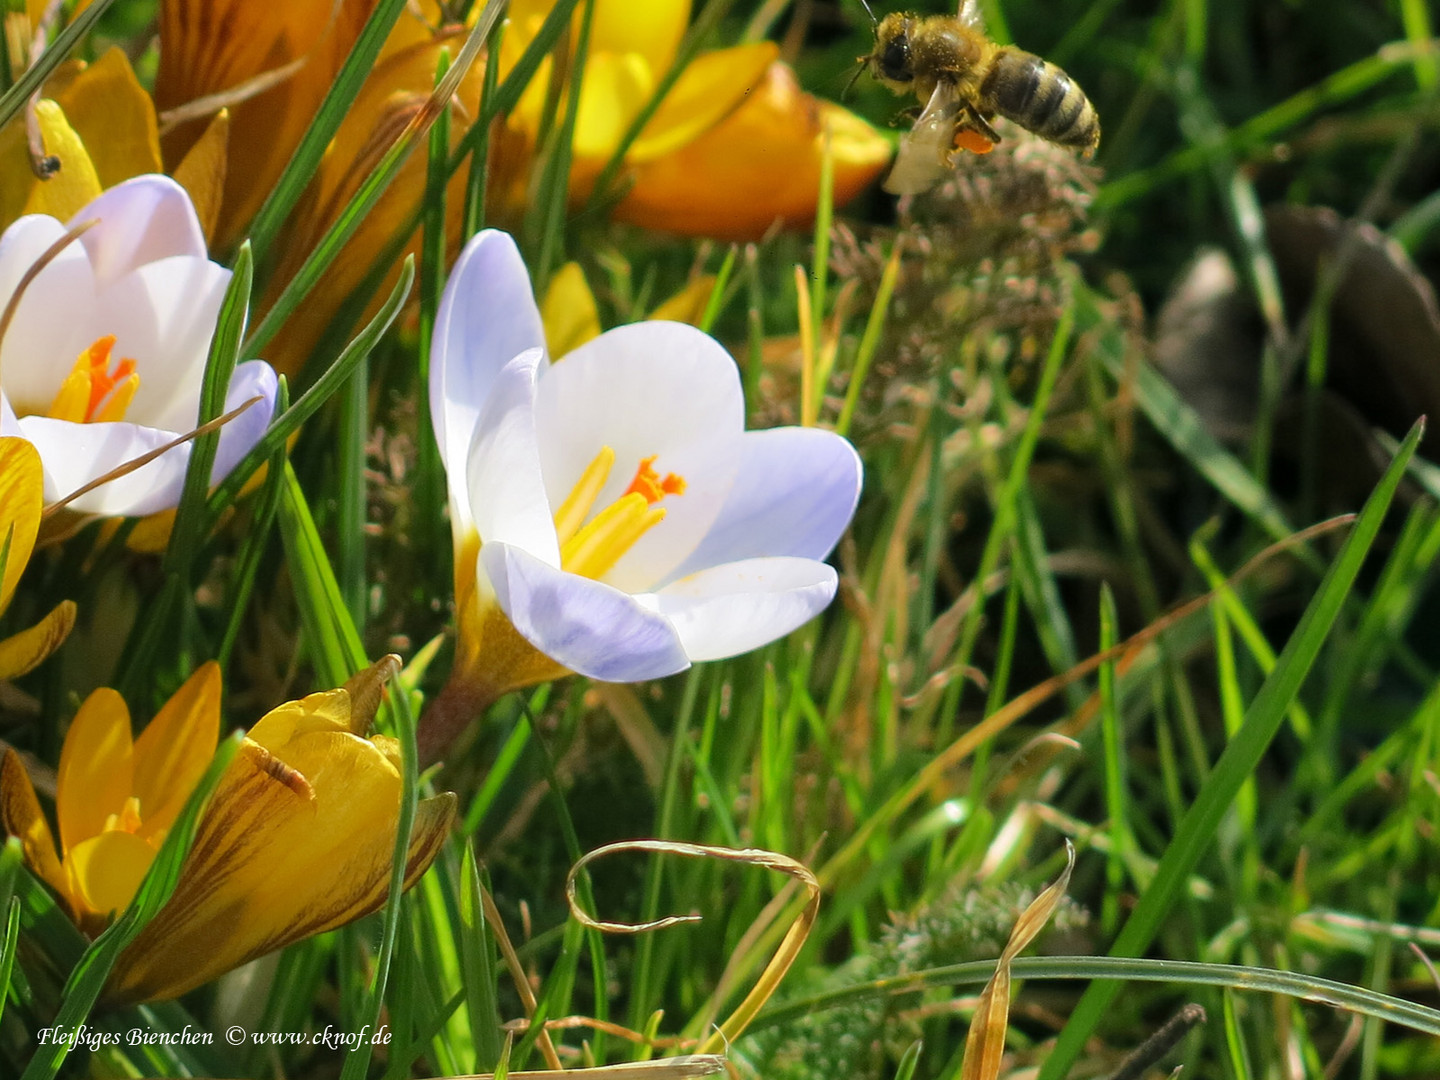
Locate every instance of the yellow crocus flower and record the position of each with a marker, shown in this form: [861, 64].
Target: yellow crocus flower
[734, 148]
[116, 797]
[21, 485]
[297, 838]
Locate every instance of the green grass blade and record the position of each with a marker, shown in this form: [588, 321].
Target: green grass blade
[335, 646]
[478, 967]
[507, 94]
[252, 549]
[1115, 970]
[287, 423]
[305, 161]
[35, 75]
[366, 196]
[87, 979]
[1262, 720]
[689, 48]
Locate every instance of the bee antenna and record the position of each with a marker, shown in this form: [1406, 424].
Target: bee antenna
[866, 6]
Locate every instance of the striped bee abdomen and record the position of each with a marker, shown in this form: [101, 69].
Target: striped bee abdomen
[1038, 96]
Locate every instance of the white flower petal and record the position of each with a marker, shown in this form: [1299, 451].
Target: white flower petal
[254, 378]
[731, 609]
[163, 317]
[795, 494]
[141, 220]
[75, 454]
[45, 336]
[506, 495]
[487, 317]
[654, 388]
[585, 625]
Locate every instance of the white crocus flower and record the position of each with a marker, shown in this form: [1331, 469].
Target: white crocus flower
[610, 508]
[103, 355]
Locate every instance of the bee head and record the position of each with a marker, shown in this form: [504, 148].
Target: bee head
[891, 62]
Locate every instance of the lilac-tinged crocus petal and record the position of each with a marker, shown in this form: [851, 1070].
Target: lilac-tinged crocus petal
[144, 219]
[585, 625]
[503, 478]
[731, 609]
[795, 494]
[75, 454]
[654, 389]
[487, 317]
[254, 378]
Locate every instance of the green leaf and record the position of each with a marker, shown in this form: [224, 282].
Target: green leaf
[13, 100]
[287, 423]
[312, 146]
[87, 979]
[1262, 720]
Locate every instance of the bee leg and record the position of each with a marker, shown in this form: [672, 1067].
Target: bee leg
[980, 124]
[905, 116]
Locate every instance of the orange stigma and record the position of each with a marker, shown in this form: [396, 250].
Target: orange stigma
[92, 391]
[652, 485]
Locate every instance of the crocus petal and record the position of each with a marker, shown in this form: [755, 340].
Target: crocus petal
[76, 454]
[75, 183]
[649, 389]
[569, 311]
[65, 285]
[709, 89]
[616, 88]
[211, 46]
[651, 28]
[586, 625]
[254, 378]
[22, 817]
[794, 495]
[759, 166]
[163, 315]
[271, 864]
[731, 609]
[105, 871]
[487, 317]
[173, 751]
[21, 652]
[506, 490]
[21, 482]
[114, 117]
[96, 767]
[144, 219]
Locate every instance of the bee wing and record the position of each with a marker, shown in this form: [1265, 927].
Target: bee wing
[969, 14]
[924, 156]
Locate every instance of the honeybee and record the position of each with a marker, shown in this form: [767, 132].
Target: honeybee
[964, 79]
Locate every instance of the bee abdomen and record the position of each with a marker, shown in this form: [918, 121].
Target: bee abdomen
[1041, 98]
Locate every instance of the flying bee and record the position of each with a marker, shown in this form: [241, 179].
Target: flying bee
[964, 79]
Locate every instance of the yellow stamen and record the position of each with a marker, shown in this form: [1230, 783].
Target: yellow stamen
[83, 395]
[128, 820]
[114, 409]
[651, 485]
[74, 397]
[576, 507]
[592, 550]
[597, 547]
